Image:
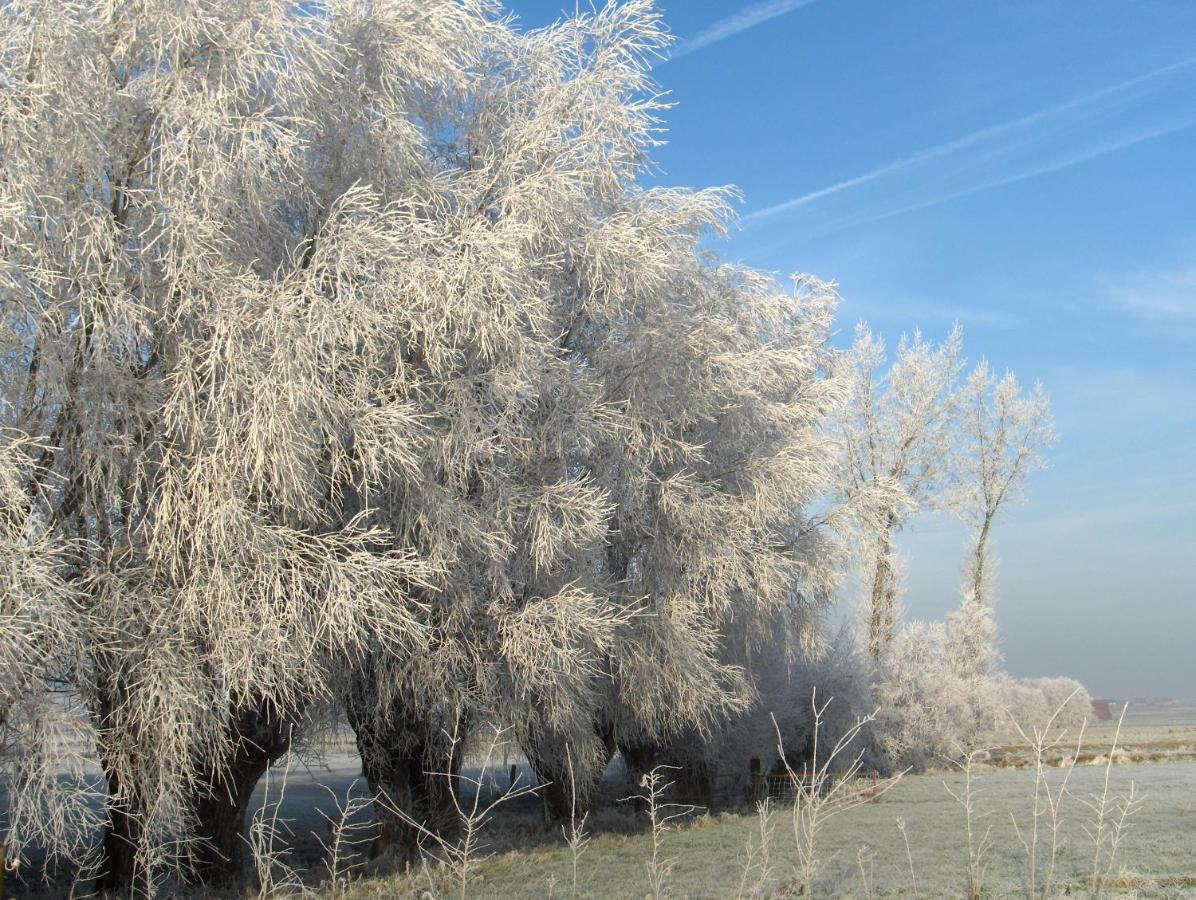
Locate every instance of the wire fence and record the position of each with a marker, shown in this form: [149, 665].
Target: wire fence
[786, 788]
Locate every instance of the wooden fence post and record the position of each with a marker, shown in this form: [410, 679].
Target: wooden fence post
[756, 779]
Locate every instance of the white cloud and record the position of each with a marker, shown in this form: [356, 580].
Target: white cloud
[1167, 296]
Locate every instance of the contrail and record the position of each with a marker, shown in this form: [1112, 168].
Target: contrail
[976, 137]
[1065, 162]
[748, 17]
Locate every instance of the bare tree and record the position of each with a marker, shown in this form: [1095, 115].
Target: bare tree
[1004, 434]
[897, 437]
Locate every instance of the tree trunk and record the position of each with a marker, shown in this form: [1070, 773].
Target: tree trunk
[399, 780]
[120, 873]
[404, 760]
[259, 736]
[978, 562]
[640, 757]
[884, 595]
[553, 789]
[569, 795]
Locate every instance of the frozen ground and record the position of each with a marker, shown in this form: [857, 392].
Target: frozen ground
[1158, 852]
[1157, 857]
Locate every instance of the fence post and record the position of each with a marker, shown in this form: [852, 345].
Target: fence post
[514, 774]
[875, 780]
[756, 779]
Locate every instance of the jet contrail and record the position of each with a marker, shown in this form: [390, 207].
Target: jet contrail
[946, 149]
[748, 17]
[1065, 162]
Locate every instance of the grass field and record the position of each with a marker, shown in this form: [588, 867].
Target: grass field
[862, 851]
[1138, 742]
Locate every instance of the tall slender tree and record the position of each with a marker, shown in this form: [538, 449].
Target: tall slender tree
[1003, 433]
[897, 439]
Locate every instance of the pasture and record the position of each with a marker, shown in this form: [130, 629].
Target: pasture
[862, 852]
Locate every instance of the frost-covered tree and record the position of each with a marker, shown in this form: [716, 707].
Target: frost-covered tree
[953, 695]
[938, 445]
[1004, 433]
[40, 642]
[1002, 436]
[711, 383]
[709, 541]
[720, 388]
[345, 359]
[1030, 703]
[255, 336]
[925, 714]
[897, 437]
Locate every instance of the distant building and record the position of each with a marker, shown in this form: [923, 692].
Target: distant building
[1101, 711]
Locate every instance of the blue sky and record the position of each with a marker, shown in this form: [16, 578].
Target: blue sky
[1025, 168]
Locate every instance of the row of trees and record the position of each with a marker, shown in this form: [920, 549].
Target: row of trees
[349, 368]
[956, 443]
[347, 364]
[935, 441]
[915, 435]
